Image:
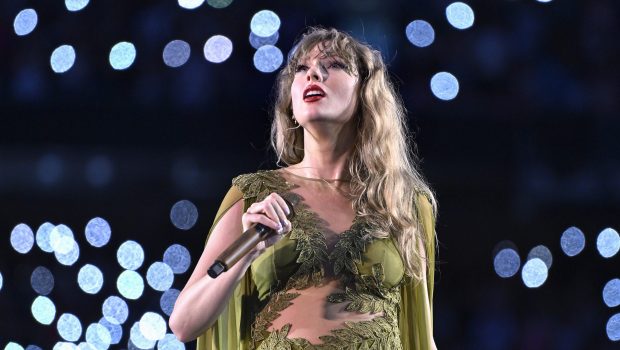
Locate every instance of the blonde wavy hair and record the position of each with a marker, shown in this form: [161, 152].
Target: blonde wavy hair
[383, 165]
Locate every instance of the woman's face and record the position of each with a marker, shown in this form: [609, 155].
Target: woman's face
[322, 90]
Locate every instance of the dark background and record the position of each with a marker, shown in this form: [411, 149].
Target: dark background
[527, 149]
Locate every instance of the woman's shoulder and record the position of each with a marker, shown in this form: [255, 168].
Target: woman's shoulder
[260, 183]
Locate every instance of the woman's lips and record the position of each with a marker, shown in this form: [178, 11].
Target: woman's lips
[313, 98]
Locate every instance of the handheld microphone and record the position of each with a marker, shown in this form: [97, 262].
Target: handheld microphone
[248, 240]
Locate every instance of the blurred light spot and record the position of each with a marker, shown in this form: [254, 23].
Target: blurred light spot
[534, 273]
[22, 238]
[190, 4]
[62, 59]
[98, 232]
[69, 327]
[1, 281]
[13, 346]
[130, 255]
[90, 279]
[75, 5]
[543, 0]
[543, 253]
[61, 239]
[176, 53]
[608, 242]
[218, 48]
[64, 346]
[167, 300]
[138, 339]
[70, 257]
[268, 58]
[170, 342]
[460, 15]
[611, 293]
[115, 310]
[184, 214]
[86, 346]
[98, 336]
[159, 276]
[115, 330]
[49, 169]
[99, 171]
[130, 284]
[258, 41]
[43, 310]
[43, 237]
[444, 86]
[178, 258]
[572, 241]
[33, 347]
[122, 55]
[420, 33]
[219, 4]
[25, 22]
[265, 23]
[613, 328]
[507, 263]
[42, 280]
[152, 326]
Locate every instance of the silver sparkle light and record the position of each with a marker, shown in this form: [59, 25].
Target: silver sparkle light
[190, 4]
[13, 346]
[42, 280]
[62, 58]
[420, 33]
[98, 336]
[90, 279]
[268, 58]
[25, 22]
[43, 237]
[167, 300]
[130, 284]
[76, 5]
[258, 41]
[218, 49]
[543, 253]
[184, 214]
[572, 241]
[98, 232]
[460, 15]
[608, 243]
[98, 171]
[50, 168]
[506, 263]
[613, 328]
[178, 258]
[159, 276]
[219, 4]
[176, 53]
[115, 330]
[265, 23]
[1, 281]
[22, 238]
[70, 257]
[444, 86]
[534, 273]
[130, 255]
[43, 310]
[61, 239]
[138, 339]
[170, 342]
[115, 310]
[69, 327]
[611, 293]
[61, 345]
[122, 55]
[152, 326]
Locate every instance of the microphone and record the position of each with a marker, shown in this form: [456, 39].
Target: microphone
[248, 240]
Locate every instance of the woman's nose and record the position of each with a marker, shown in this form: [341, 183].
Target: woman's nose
[314, 73]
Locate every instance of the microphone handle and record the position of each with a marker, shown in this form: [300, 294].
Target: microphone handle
[248, 240]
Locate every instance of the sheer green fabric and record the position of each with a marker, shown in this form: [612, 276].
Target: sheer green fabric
[373, 273]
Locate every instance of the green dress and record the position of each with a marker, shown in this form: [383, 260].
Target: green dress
[370, 271]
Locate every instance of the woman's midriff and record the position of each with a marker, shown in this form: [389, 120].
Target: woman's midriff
[311, 315]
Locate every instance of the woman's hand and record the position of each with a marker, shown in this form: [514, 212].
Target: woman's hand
[271, 212]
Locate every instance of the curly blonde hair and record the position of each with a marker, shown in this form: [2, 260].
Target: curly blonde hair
[383, 165]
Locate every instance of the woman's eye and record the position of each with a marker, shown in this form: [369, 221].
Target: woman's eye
[301, 68]
[338, 65]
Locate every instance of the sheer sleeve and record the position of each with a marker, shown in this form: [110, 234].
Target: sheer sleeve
[232, 329]
[416, 312]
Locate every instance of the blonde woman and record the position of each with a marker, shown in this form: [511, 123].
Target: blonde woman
[353, 269]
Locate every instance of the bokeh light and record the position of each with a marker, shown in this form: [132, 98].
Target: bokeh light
[258, 41]
[98, 336]
[178, 258]
[613, 328]
[115, 330]
[76, 5]
[90, 279]
[61, 345]
[70, 257]
[33, 347]
[42, 280]
[62, 58]
[99, 170]
[159, 276]
[122, 55]
[130, 284]
[268, 58]
[22, 238]
[86, 346]
[43, 310]
[130, 255]
[611, 293]
[219, 4]
[13, 346]
[43, 237]
[152, 326]
[1, 280]
[460, 15]
[184, 214]
[25, 22]
[265, 23]
[608, 242]
[420, 33]
[506, 263]
[98, 232]
[61, 239]
[138, 339]
[218, 49]
[170, 342]
[572, 241]
[50, 166]
[115, 310]
[190, 4]
[543, 253]
[176, 53]
[444, 86]
[167, 300]
[69, 327]
[534, 273]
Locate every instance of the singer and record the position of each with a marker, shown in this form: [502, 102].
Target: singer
[354, 267]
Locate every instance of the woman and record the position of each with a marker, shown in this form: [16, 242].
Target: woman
[353, 269]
